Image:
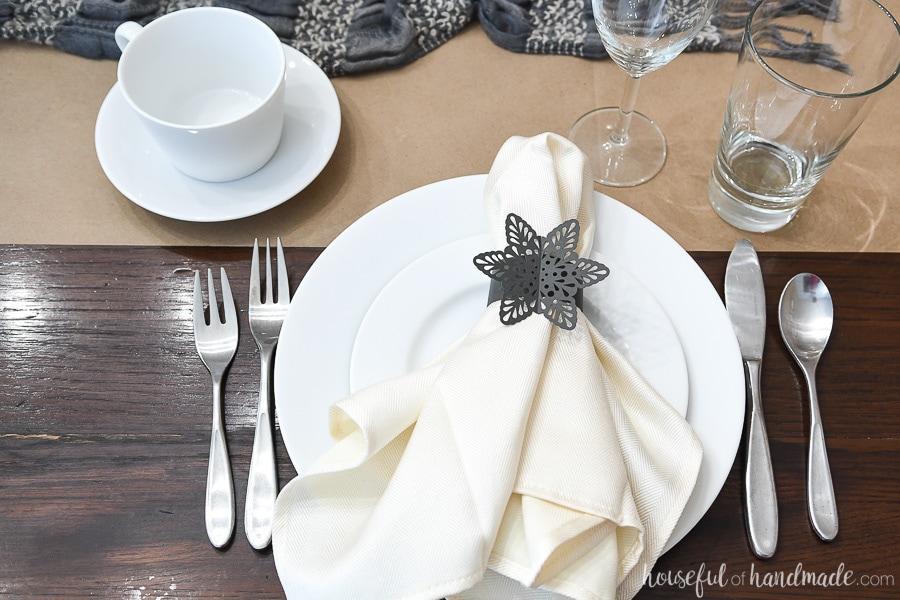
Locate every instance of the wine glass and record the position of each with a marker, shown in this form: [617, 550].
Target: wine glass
[625, 147]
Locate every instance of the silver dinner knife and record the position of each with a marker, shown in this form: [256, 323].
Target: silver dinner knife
[746, 304]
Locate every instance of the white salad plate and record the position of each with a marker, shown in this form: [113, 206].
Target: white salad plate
[436, 300]
[136, 166]
[316, 347]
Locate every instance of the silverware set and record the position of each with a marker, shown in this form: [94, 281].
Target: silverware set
[805, 317]
[216, 340]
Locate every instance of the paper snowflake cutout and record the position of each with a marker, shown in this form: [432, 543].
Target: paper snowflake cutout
[540, 274]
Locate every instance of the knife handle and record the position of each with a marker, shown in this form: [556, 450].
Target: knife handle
[759, 481]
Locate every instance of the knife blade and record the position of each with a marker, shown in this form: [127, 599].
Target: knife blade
[745, 302]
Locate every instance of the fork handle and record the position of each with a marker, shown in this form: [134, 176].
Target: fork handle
[262, 483]
[219, 485]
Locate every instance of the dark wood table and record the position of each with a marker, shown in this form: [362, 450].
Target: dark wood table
[105, 420]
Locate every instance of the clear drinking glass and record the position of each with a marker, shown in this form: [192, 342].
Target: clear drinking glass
[625, 147]
[805, 80]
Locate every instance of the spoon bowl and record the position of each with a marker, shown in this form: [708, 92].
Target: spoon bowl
[806, 317]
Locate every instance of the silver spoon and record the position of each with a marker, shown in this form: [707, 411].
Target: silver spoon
[805, 315]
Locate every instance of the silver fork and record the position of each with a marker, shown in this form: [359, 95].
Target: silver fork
[266, 318]
[216, 344]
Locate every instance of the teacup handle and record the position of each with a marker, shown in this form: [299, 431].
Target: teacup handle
[126, 32]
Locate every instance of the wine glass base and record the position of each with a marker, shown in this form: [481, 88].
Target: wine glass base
[618, 164]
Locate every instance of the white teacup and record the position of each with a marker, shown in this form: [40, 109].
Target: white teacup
[208, 84]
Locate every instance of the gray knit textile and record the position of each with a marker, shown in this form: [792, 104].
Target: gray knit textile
[354, 36]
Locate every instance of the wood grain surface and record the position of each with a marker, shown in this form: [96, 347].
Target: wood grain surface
[105, 413]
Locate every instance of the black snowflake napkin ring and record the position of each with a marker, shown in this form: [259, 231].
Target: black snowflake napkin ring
[540, 274]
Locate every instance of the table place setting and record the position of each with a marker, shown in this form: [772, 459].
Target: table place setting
[136, 412]
[502, 385]
[528, 519]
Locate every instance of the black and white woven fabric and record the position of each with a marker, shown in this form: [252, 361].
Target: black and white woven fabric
[354, 36]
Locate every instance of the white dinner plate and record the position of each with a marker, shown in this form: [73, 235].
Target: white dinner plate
[136, 166]
[436, 300]
[312, 364]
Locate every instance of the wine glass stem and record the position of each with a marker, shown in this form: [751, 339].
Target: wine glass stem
[619, 133]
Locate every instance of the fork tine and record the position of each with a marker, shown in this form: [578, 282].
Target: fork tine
[269, 283]
[213, 301]
[284, 290]
[228, 302]
[254, 274]
[199, 318]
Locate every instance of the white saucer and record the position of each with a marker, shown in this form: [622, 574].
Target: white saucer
[135, 166]
[437, 298]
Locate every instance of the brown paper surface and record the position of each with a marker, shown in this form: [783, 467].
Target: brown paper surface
[443, 116]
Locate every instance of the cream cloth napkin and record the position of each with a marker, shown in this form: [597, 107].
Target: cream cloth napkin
[537, 453]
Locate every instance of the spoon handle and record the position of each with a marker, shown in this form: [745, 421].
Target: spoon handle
[819, 488]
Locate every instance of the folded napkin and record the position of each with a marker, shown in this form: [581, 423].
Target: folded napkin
[526, 459]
